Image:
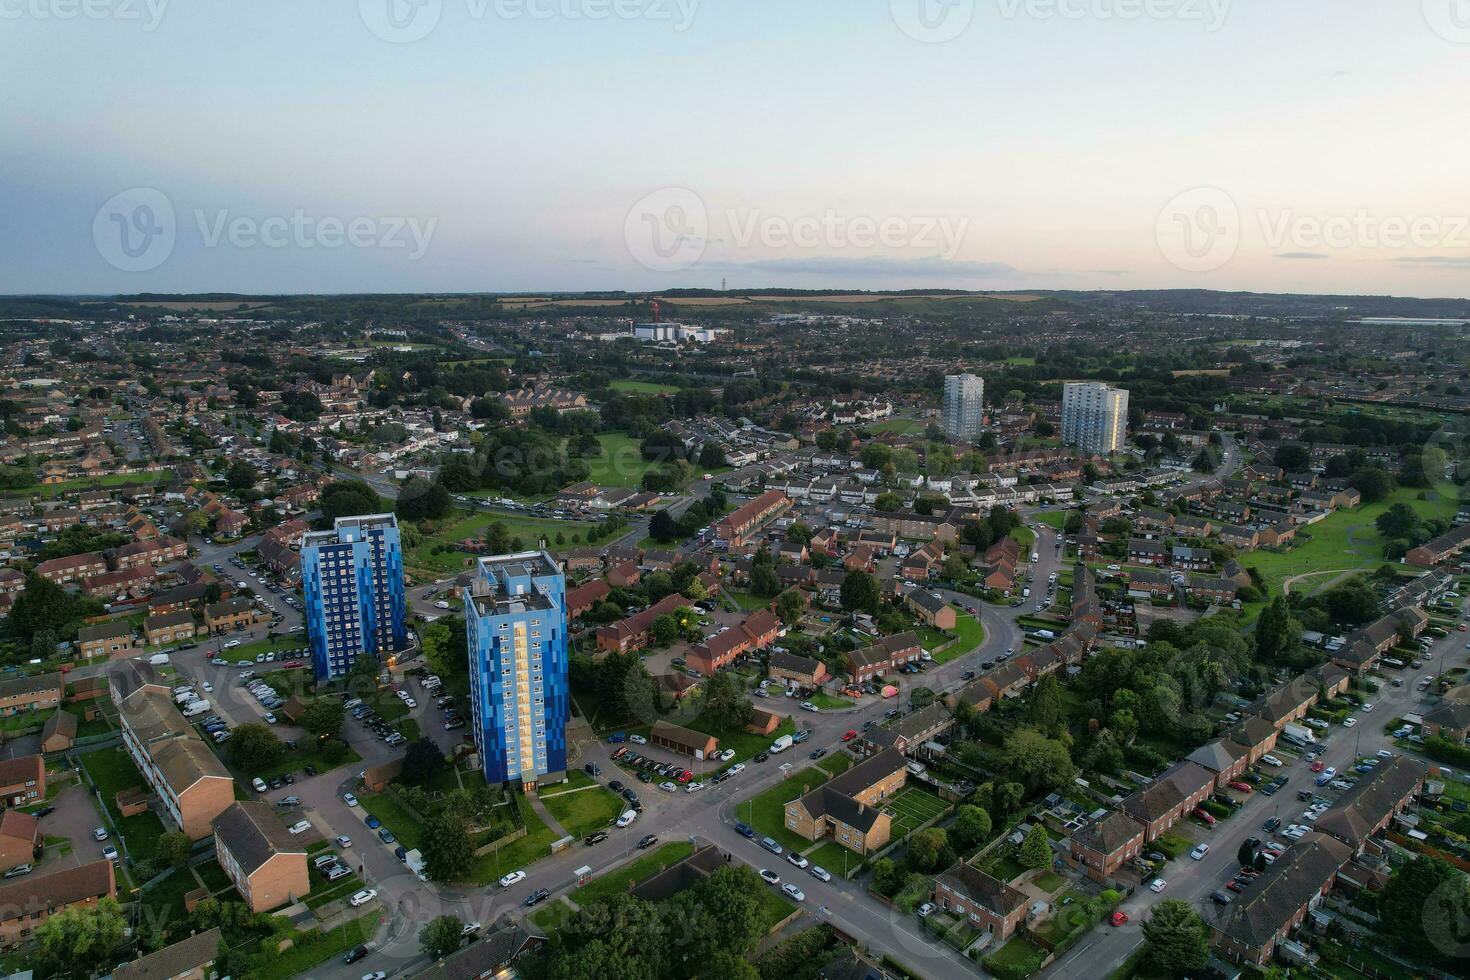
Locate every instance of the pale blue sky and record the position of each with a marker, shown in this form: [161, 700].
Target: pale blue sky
[1030, 151]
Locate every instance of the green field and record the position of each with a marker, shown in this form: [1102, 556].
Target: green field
[1054, 518]
[621, 463]
[113, 771]
[1021, 361]
[517, 854]
[581, 811]
[643, 387]
[969, 635]
[1344, 541]
[833, 857]
[744, 743]
[528, 529]
[902, 427]
[912, 806]
[92, 483]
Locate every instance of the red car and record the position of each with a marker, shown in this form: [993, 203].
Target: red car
[291, 664]
[1118, 918]
[1234, 885]
[1243, 787]
[622, 751]
[1204, 815]
[1318, 766]
[851, 734]
[685, 776]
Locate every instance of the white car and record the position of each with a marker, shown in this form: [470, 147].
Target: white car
[410, 702]
[727, 755]
[820, 873]
[349, 799]
[1349, 722]
[736, 769]
[668, 786]
[404, 695]
[793, 893]
[769, 877]
[1199, 852]
[110, 852]
[363, 897]
[637, 739]
[626, 820]
[208, 687]
[694, 787]
[797, 859]
[808, 706]
[344, 841]
[1157, 885]
[514, 878]
[1369, 705]
[1271, 760]
[300, 827]
[375, 975]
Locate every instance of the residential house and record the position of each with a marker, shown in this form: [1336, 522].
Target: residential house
[59, 732]
[170, 627]
[847, 808]
[990, 904]
[188, 959]
[28, 901]
[114, 639]
[20, 839]
[1104, 846]
[758, 631]
[266, 862]
[1168, 799]
[633, 632]
[803, 671]
[1279, 900]
[879, 658]
[930, 609]
[22, 780]
[35, 692]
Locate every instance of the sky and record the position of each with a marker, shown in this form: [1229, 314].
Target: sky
[560, 145]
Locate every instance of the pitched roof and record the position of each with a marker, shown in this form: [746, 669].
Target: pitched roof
[35, 894]
[1217, 756]
[1107, 835]
[836, 796]
[15, 771]
[32, 684]
[1359, 811]
[19, 826]
[981, 889]
[185, 761]
[253, 834]
[1179, 782]
[1284, 889]
[198, 950]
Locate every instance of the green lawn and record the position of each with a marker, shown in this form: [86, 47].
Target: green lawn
[550, 918]
[766, 811]
[621, 463]
[616, 882]
[311, 948]
[643, 387]
[1055, 518]
[969, 634]
[1346, 540]
[529, 529]
[585, 810]
[830, 701]
[832, 855]
[113, 771]
[517, 854]
[911, 807]
[165, 901]
[901, 426]
[212, 875]
[92, 483]
[835, 763]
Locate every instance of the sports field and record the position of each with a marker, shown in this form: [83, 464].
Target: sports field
[911, 807]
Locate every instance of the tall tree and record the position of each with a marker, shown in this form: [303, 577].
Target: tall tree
[1035, 851]
[724, 704]
[447, 848]
[1177, 937]
[860, 592]
[80, 938]
[441, 936]
[1424, 907]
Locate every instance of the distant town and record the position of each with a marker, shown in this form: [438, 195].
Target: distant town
[853, 636]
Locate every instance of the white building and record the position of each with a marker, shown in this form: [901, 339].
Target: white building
[1094, 416]
[964, 409]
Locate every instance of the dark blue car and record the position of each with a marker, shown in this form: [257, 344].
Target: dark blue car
[745, 830]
